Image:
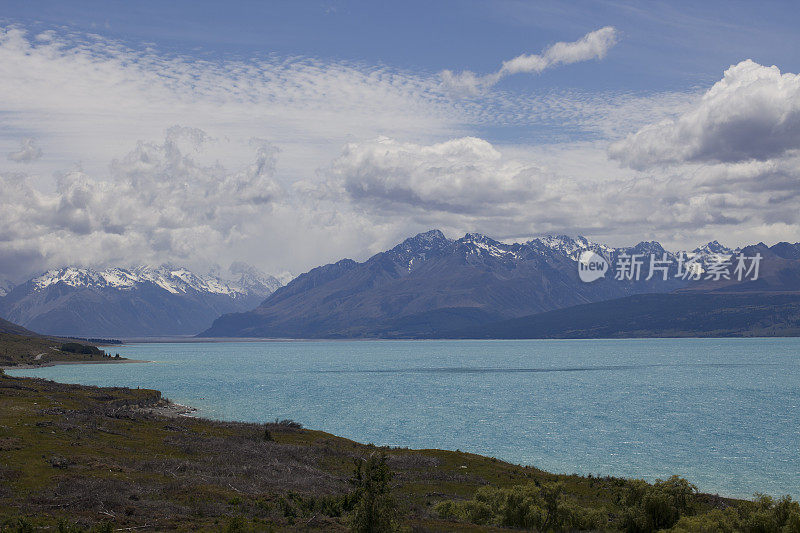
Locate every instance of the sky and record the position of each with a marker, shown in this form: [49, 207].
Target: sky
[293, 134]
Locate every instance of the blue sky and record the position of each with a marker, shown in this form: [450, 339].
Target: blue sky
[194, 131]
[664, 45]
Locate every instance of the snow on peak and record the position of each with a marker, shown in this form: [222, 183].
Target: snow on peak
[478, 244]
[418, 248]
[570, 247]
[176, 280]
[5, 287]
[249, 278]
[431, 236]
[714, 248]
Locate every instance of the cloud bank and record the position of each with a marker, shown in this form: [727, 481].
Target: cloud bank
[155, 202]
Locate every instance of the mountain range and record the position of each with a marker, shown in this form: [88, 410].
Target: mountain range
[143, 301]
[429, 285]
[426, 286]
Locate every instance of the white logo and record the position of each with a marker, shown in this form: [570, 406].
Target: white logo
[591, 266]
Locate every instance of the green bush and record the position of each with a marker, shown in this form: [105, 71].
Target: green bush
[763, 515]
[658, 506]
[528, 506]
[85, 349]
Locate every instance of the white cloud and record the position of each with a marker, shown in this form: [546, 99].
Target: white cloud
[464, 175]
[593, 45]
[730, 160]
[28, 152]
[752, 113]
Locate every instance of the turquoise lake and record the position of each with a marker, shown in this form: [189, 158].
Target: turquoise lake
[721, 412]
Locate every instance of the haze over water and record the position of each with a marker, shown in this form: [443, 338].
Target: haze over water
[721, 412]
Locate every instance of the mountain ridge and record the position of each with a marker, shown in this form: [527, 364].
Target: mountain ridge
[428, 278]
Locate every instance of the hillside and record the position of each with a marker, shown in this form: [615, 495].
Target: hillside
[656, 315]
[11, 328]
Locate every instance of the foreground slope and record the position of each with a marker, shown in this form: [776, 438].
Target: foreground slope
[77, 457]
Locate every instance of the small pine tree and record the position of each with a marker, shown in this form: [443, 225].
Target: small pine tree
[374, 510]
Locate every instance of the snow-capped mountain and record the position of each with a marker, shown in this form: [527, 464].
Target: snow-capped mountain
[429, 282]
[140, 301]
[249, 279]
[175, 280]
[570, 247]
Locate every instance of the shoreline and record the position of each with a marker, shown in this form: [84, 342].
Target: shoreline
[56, 363]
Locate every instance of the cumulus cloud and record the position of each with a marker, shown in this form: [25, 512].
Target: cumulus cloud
[469, 184]
[464, 175]
[752, 113]
[28, 152]
[730, 160]
[593, 45]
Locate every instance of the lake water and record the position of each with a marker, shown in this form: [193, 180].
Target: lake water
[721, 412]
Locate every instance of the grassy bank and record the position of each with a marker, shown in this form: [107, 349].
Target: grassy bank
[26, 350]
[76, 458]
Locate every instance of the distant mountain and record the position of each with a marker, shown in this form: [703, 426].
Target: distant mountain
[144, 301]
[429, 284]
[713, 248]
[786, 250]
[249, 280]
